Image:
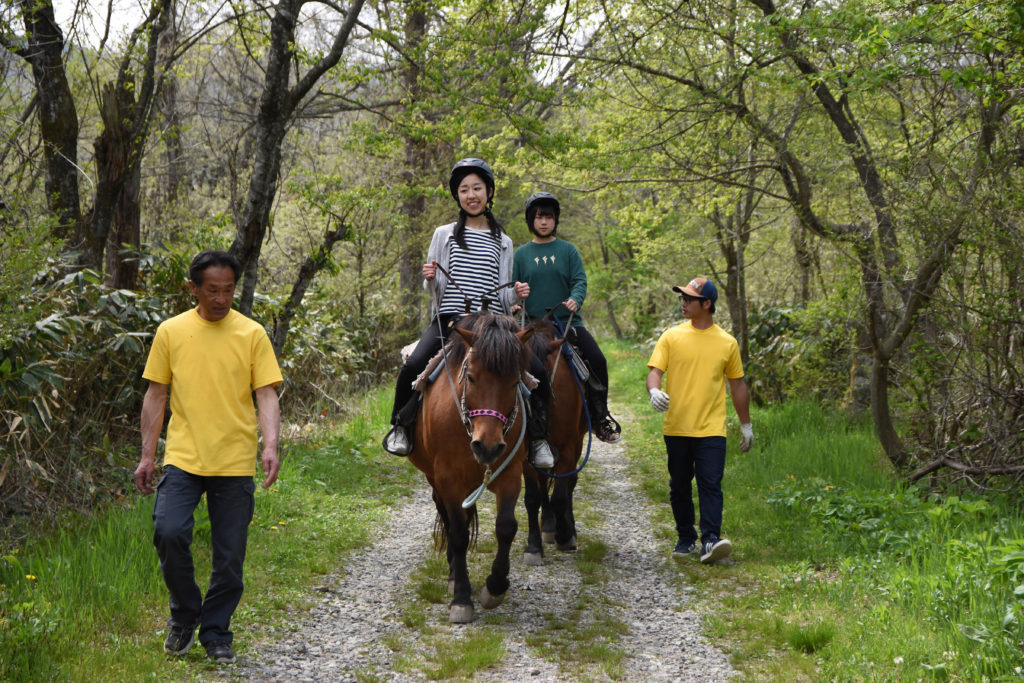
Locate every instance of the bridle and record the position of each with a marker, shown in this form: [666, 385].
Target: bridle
[467, 415]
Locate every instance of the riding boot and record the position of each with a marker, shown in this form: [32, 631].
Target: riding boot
[602, 423]
[542, 454]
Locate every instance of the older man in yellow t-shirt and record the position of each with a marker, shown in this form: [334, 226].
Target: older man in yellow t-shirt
[210, 359]
[695, 359]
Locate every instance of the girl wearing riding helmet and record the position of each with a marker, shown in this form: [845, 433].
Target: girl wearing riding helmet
[478, 255]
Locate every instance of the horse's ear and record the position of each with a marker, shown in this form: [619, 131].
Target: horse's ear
[467, 335]
[555, 343]
[525, 335]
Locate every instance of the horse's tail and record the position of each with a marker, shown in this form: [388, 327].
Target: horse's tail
[441, 529]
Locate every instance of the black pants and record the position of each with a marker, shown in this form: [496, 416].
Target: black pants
[703, 459]
[591, 353]
[229, 501]
[431, 341]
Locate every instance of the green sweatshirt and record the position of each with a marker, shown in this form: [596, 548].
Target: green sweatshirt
[554, 271]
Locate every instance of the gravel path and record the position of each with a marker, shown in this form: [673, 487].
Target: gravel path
[359, 610]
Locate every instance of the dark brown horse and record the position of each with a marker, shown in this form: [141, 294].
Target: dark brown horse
[471, 424]
[553, 496]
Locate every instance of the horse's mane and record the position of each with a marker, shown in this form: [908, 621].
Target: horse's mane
[496, 346]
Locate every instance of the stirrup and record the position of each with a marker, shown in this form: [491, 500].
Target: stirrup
[609, 430]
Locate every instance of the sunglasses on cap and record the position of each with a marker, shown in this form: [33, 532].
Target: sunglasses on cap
[687, 299]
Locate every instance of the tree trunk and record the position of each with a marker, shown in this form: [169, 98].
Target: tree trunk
[882, 416]
[123, 269]
[58, 117]
[804, 260]
[276, 109]
[417, 165]
[307, 272]
[174, 152]
[611, 318]
[112, 170]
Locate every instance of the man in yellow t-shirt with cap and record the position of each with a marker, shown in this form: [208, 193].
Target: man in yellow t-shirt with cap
[695, 359]
[210, 359]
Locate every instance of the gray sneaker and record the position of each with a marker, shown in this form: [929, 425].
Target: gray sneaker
[179, 638]
[714, 550]
[541, 455]
[397, 441]
[220, 652]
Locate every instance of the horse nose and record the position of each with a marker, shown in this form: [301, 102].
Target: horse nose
[485, 454]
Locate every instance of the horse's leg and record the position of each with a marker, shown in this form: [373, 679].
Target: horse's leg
[547, 514]
[534, 553]
[505, 527]
[460, 611]
[442, 517]
[561, 507]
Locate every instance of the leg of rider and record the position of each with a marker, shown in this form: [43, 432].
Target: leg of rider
[403, 409]
[540, 413]
[591, 353]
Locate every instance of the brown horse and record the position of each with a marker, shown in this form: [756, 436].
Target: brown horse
[472, 418]
[567, 429]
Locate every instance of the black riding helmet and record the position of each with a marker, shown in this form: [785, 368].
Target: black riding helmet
[535, 202]
[464, 167]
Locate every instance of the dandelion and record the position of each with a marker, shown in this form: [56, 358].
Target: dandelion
[30, 577]
[273, 528]
[897, 661]
[282, 523]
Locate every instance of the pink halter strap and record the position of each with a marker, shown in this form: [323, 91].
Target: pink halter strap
[486, 412]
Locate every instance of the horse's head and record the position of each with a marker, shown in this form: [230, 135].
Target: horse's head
[543, 342]
[495, 356]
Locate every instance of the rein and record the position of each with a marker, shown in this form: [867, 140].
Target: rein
[484, 301]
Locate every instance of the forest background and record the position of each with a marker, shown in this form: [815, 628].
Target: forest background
[848, 172]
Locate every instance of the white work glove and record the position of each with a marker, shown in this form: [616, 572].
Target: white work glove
[659, 400]
[747, 430]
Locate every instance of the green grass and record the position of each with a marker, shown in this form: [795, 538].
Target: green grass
[88, 603]
[842, 572]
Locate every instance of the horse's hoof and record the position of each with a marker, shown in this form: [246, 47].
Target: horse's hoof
[488, 601]
[569, 546]
[460, 614]
[548, 536]
[534, 559]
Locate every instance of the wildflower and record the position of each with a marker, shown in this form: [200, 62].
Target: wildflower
[30, 577]
[282, 523]
[273, 528]
[898, 661]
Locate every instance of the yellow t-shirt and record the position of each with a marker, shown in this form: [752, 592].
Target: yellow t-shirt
[696, 363]
[212, 368]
